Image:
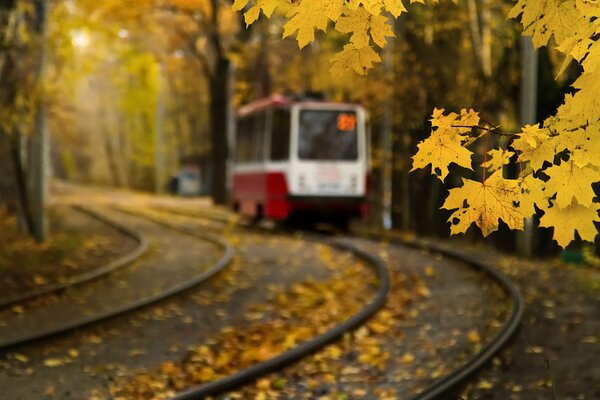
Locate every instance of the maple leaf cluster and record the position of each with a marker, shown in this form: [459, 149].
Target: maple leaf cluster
[365, 20]
[558, 159]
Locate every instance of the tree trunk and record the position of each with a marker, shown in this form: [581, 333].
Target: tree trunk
[219, 88]
[20, 183]
[479, 24]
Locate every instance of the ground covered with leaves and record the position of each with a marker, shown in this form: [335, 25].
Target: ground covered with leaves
[555, 353]
[77, 243]
[283, 289]
[396, 354]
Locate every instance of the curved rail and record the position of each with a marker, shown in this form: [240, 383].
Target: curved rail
[235, 380]
[225, 259]
[91, 275]
[439, 388]
[449, 382]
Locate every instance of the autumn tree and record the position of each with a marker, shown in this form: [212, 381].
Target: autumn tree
[434, 53]
[211, 36]
[115, 63]
[22, 31]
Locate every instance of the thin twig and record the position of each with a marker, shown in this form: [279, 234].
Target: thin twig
[494, 130]
[546, 362]
[487, 148]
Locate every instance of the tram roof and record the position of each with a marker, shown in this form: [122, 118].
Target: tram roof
[277, 100]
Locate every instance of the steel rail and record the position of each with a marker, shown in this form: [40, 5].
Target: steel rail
[223, 261]
[440, 388]
[251, 373]
[308, 347]
[445, 385]
[91, 275]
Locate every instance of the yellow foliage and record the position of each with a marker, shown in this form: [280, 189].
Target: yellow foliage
[498, 158]
[534, 145]
[566, 221]
[445, 145]
[364, 27]
[308, 15]
[571, 182]
[484, 203]
[572, 134]
[544, 18]
[357, 59]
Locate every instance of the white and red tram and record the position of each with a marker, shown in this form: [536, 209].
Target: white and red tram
[294, 156]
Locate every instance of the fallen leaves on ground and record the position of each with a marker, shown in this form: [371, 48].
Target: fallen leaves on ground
[296, 314]
[76, 245]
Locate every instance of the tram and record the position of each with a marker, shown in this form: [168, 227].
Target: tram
[295, 156]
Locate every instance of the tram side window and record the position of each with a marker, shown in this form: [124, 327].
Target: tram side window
[280, 135]
[250, 139]
[258, 137]
[243, 140]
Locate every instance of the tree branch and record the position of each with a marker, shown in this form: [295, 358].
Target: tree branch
[495, 130]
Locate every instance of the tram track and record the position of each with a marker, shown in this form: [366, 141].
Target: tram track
[506, 332]
[300, 351]
[84, 320]
[440, 388]
[307, 347]
[112, 266]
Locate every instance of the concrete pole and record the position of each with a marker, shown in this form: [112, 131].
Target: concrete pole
[159, 155]
[231, 126]
[527, 115]
[386, 144]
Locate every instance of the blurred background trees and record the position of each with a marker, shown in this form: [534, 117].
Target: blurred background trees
[135, 89]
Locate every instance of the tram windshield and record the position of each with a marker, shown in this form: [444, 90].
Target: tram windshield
[328, 135]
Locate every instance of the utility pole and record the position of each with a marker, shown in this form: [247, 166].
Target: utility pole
[159, 155]
[527, 115]
[386, 145]
[231, 126]
[39, 138]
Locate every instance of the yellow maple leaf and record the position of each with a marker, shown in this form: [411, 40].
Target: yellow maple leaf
[446, 143]
[592, 61]
[473, 336]
[354, 59]
[238, 5]
[569, 181]
[542, 19]
[536, 145]
[266, 6]
[54, 362]
[584, 145]
[363, 26]
[577, 46]
[308, 15]
[372, 6]
[587, 101]
[395, 7]
[468, 118]
[484, 204]
[440, 150]
[498, 158]
[532, 192]
[461, 124]
[566, 221]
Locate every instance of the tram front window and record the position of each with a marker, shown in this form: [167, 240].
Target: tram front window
[328, 135]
